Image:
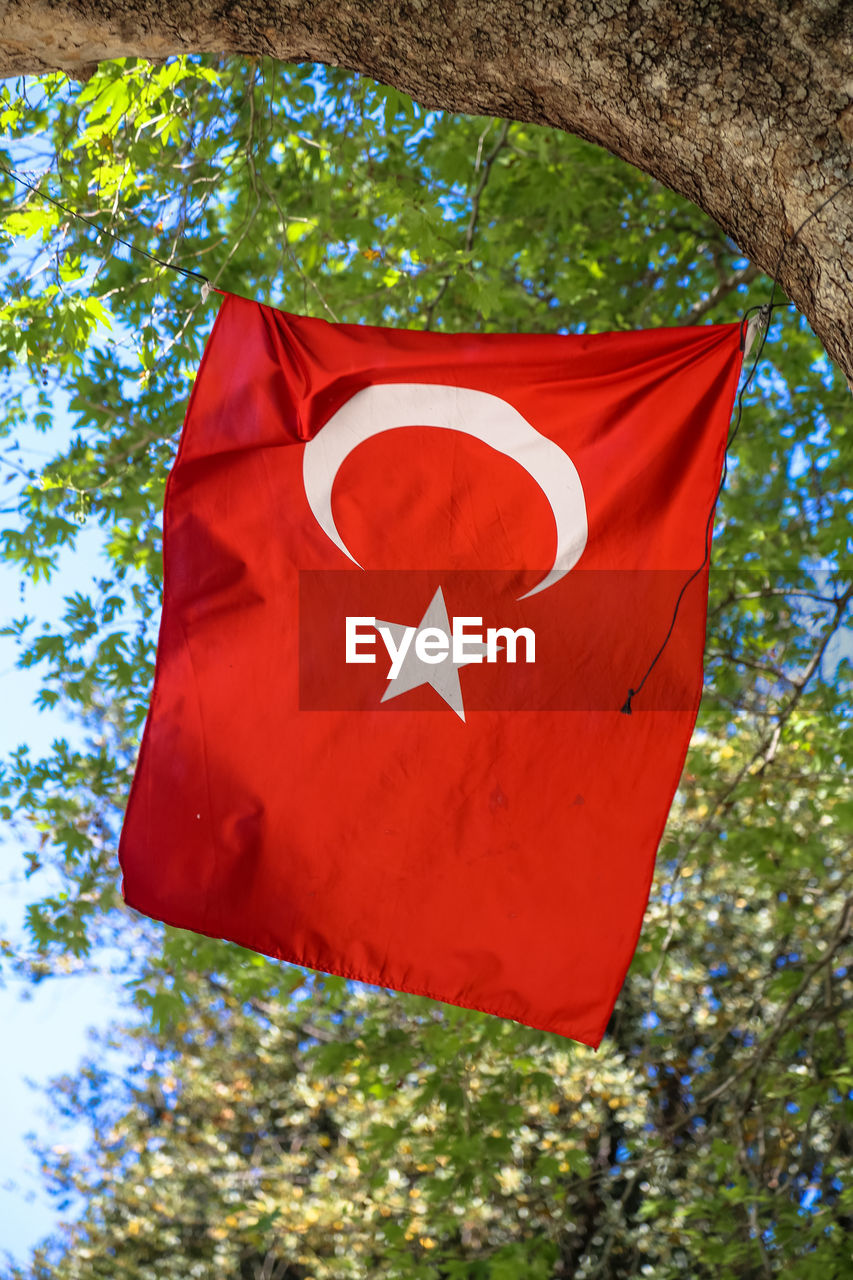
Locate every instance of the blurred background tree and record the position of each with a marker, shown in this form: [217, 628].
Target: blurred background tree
[284, 1125]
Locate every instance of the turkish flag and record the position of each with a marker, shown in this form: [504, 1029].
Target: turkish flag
[409, 580]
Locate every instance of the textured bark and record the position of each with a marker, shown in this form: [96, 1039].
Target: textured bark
[745, 108]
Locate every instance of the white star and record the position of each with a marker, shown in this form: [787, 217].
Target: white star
[443, 675]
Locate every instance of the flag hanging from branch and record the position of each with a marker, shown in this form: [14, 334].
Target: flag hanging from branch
[409, 580]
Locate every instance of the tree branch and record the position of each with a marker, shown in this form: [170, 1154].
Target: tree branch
[769, 163]
[700, 309]
[476, 197]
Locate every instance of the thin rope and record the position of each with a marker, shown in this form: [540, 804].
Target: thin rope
[765, 313]
[102, 231]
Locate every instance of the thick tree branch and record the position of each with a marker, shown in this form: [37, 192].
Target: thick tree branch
[745, 109]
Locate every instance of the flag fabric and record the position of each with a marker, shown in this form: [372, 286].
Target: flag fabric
[409, 580]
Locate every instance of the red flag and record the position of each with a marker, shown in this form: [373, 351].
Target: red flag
[409, 580]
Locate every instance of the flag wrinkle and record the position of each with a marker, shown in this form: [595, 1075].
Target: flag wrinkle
[285, 799]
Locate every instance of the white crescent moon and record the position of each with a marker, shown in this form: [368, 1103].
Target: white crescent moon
[486, 417]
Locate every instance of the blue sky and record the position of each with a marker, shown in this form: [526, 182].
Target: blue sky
[45, 1028]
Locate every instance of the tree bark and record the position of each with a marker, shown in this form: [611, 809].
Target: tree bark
[745, 108]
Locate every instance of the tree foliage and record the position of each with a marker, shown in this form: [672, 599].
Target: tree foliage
[282, 1125]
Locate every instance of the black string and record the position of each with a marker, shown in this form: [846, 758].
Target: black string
[765, 312]
[102, 231]
[805, 222]
[632, 693]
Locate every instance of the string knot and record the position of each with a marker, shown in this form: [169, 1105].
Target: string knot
[626, 707]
